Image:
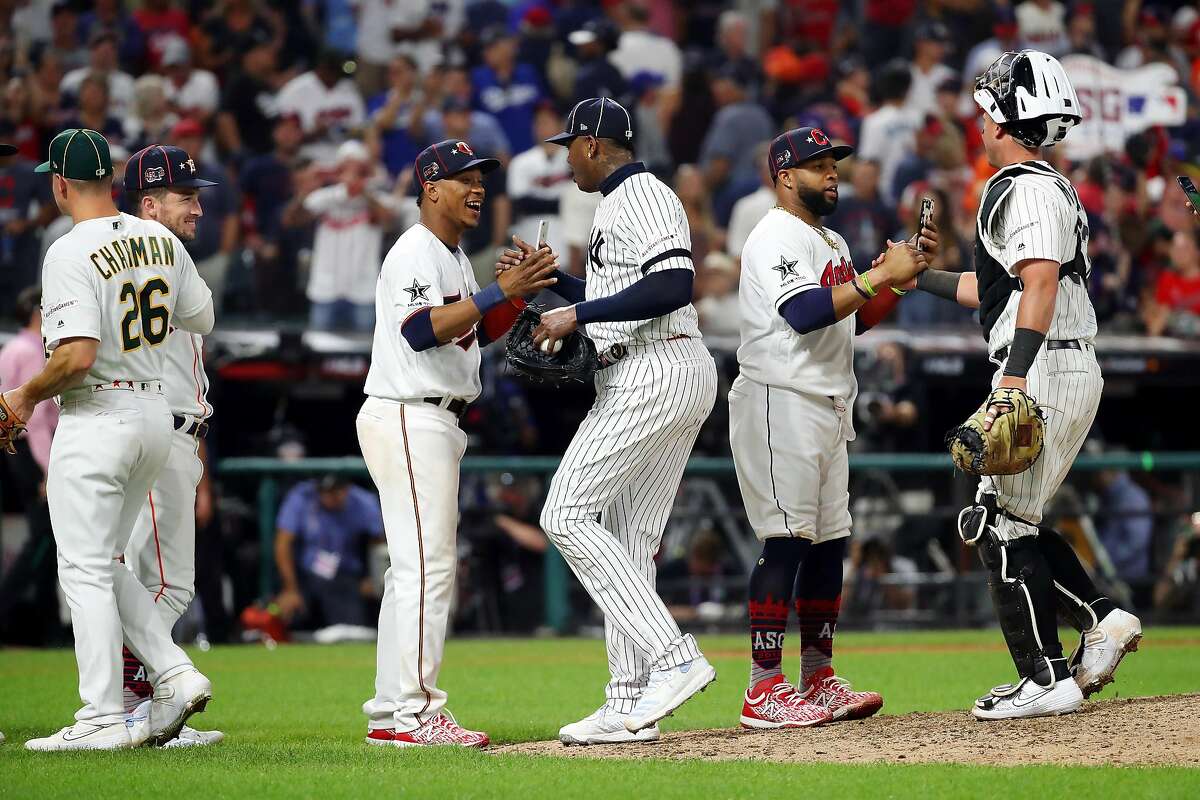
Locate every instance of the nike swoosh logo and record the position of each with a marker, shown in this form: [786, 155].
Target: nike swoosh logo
[67, 737]
[1017, 700]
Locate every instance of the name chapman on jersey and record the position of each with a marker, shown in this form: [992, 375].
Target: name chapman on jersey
[120, 255]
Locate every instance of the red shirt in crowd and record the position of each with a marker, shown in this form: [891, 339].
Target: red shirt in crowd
[1178, 292]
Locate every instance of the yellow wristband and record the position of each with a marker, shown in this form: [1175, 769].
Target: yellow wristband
[867, 285]
[899, 292]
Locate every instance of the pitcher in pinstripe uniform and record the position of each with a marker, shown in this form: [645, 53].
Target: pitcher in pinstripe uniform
[1030, 286]
[609, 501]
[162, 185]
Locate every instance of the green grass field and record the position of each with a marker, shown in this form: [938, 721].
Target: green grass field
[294, 726]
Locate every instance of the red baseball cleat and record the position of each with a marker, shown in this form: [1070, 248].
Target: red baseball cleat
[440, 730]
[828, 690]
[775, 703]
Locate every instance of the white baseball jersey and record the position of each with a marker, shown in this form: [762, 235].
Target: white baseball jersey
[120, 280]
[184, 381]
[783, 257]
[340, 109]
[640, 228]
[1038, 216]
[420, 272]
[538, 175]
[346, 246]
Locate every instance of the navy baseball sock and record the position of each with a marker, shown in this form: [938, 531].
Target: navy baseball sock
[818, 603]
[769, 597]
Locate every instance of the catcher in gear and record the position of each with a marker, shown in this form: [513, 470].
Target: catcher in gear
[1030, 286]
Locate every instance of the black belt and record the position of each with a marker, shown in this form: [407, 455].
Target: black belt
[455, 407]
[198, 429]
[1051, 344]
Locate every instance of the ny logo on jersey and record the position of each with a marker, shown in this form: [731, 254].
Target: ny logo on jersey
[837, 274]
[594, 261]
[417, 292]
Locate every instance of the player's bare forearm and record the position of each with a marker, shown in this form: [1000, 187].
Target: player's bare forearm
[1036, 308]
[968, 290]
[454, 320]
[68, 366]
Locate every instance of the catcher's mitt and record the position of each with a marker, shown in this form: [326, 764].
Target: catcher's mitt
[1011, 446]
[10, 427]
[576, 361]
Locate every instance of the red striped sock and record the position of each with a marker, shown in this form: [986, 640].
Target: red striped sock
[136, 687]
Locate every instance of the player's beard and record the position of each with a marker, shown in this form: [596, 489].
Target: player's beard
[816, 201]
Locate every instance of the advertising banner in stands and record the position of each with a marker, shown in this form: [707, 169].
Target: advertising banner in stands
[1118, 103]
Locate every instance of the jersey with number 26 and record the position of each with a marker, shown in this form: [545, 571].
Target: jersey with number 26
[121, 280]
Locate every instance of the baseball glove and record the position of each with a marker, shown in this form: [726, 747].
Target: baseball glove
[1011, 446]
[10, 427]
[576, 361]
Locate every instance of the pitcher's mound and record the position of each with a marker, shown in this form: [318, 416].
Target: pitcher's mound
[1144, 730]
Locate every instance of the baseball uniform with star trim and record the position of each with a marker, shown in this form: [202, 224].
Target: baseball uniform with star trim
[790, 407]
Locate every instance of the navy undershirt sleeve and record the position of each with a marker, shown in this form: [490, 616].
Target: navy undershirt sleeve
[569, 287]
[653, 296]
[810, 310]
[418, 330]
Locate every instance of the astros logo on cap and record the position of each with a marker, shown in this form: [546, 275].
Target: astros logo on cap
[464, 148]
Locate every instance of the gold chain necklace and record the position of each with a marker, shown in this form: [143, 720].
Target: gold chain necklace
[820, 230]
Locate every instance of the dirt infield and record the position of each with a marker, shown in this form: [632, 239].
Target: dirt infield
[1146, 730]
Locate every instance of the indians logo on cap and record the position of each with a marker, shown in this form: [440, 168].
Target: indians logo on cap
[154, 174]
[464, 148]
[430, 170]
[818, 137]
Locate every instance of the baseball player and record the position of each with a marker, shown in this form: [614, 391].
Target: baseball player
[424, 372]
[1030, 286]
[111, 289]
[162, 185]
[609, 501]
[790, 419]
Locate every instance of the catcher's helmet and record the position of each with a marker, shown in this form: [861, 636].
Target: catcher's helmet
[1029, 94]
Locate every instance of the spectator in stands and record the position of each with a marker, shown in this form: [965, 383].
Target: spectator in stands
[387, 28]
[248, 104]
[94, 111]
[1006, 35]
[159, 22]
[888, 408]
[229, 31]
[451, 94]
[102, 63]
[650, 137]
[537, 179]
[641, 50]
[192, 92]
[577, 210]
[347, 250]
[928, 68]
[20, 120]
[1125, 524]
[727, 155]
[862, 217]
[733, 50]
[328, 104]
[321, 534]
[506, 89]
[596, 76]
[716, 295]
[1042, 25]
[399, 117]
[1175, 306]
[1178, 589]
[65, 45]
[217, 230]
[46, 87]
[888, 133]
[885, 30]
[698, 205]
[109, 15]
[152, 118]
[697, 587]
[875, 579]
[266, 185]
[749, 210]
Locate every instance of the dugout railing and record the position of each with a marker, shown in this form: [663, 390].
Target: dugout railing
[882, 484]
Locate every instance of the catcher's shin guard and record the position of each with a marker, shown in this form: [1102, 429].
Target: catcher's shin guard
[1078, 598]
[1022, 593]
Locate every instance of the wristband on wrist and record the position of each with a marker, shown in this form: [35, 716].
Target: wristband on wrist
[1024, 349]
[862, 292]
[489, 298]
[867, 285]
[899, 292]
[940, 283]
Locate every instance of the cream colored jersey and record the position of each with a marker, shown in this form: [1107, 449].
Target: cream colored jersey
[123, 281]
[185, 382]
[783, 257]
[421, 272]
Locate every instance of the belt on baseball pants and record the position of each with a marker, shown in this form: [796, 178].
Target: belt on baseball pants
[197, 428]
[1051, 344]
[455, 405]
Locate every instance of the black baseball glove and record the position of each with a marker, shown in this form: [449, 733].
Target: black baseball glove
[576, 361]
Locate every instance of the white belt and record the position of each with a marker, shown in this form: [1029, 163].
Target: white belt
[137, 387]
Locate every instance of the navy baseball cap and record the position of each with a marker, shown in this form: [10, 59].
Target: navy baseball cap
[794, 147]
[444, 159]
[162, 167]
[601, 117]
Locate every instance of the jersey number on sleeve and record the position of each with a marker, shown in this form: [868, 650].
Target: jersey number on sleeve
[152, 320]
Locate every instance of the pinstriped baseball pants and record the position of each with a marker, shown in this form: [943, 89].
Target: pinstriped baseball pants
[612, 494]
[1067, 385]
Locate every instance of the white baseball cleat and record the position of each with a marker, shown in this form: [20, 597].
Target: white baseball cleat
[1028, 699]
[84, 736]
[1102, 648]
[605, 725]
[174, 702]
[190, 737]
[667, 690]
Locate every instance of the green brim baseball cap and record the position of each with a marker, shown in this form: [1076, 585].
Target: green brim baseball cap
[80, 155]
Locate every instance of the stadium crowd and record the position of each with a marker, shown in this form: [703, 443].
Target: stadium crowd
[309, 115]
